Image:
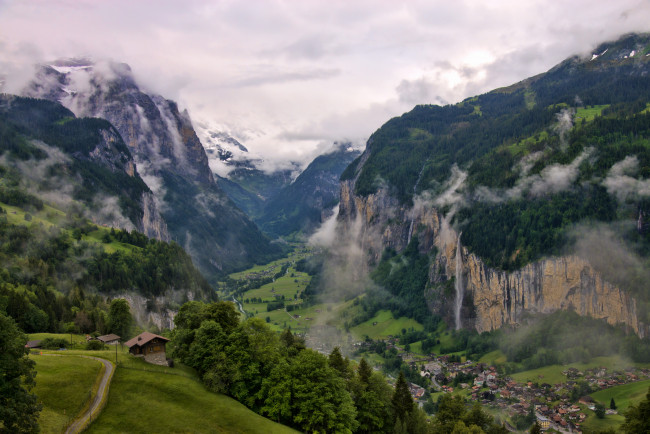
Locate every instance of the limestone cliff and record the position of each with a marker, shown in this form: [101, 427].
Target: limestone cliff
[153, 224]
[492, 297]
[556, 283]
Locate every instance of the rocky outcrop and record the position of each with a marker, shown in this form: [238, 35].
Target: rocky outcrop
[153, 224]
[493, 298]
[155, 311]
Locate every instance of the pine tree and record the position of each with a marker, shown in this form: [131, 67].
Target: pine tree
[612, 404]
[365, 371]
[402, 401]
[336, 361]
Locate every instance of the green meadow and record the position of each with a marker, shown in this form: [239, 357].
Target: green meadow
[151, 401]
[624, 396]
[63, 385]
[553, 374]
[383, 325]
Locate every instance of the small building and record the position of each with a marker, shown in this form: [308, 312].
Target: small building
[33, 344]
[543, 422]
[111, 339]
[149, 346]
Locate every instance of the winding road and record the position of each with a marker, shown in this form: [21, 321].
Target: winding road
[98, 400]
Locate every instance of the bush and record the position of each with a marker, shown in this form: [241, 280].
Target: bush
[95, 345]
[54, 343]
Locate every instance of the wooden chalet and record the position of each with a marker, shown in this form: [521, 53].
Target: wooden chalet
[149, 346]
[111, 339]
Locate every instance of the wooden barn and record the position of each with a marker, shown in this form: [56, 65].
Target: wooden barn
[111, 339]
[149, 346]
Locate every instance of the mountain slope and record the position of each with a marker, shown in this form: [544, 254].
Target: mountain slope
[168, 156]
[65, 158]
[545, 174]
[303, 204]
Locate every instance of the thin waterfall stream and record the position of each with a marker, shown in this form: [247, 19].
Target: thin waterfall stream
[459, 284]
[415, 187]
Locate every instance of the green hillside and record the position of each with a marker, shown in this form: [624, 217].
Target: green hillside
[63, 385]
[142, 401]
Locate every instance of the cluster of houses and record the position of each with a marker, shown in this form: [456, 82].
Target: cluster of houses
[552, 404]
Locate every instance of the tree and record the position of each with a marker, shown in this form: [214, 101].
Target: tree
[341, 365]
[450, 411]
[637, 417]
[536, 429]
[612, 404]
[18, 407]
[600, 410]
[365, 371]
[308, 394]
[402, 401]
[119, 318]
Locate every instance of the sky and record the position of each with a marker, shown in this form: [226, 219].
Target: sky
[287, 78]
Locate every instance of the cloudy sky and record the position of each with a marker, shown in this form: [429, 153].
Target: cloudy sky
[287, 77]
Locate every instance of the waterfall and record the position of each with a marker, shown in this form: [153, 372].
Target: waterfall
[459, 283]
[415, 187]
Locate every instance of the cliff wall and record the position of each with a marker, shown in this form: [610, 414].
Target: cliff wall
[493, 298]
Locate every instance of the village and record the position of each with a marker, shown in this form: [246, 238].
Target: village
[562, 406]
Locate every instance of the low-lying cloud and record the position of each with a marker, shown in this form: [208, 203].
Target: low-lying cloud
[621, 183]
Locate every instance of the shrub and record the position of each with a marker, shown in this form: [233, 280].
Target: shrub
[95, 345]
[54, 343]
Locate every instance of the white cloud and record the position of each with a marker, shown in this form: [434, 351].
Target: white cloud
[298, 73]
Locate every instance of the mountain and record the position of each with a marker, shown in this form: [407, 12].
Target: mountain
[169, 157]
[303, 205]
[530, 198]
[58, 171]
[283, 201]
[251, 188]
[64, 159]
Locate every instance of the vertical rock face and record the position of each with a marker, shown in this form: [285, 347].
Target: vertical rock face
[493, 298]
[560, 283]
[153, 224]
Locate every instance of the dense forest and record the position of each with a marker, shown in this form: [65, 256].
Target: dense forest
[278, 377]
[58, 278]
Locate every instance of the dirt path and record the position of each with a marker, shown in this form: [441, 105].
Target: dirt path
[98, 400]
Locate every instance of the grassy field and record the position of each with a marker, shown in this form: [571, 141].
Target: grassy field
[298, 253]
[288, 286]
[63, 386]
[383, 325]
[77, 340]
[553, 374]
[154, 402]
[493, 357]
[588, 113]
[624, 396]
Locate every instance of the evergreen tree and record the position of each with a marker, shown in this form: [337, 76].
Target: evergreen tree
[341, 365]
[402, 401]
[612, 404]
[536, 429]
[365, 371]
[119, 318]
[18, 408]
